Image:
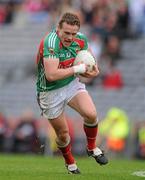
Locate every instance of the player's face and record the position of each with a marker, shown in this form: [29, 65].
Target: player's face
[67, 33]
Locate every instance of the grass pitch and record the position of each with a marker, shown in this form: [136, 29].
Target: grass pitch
[23, 167]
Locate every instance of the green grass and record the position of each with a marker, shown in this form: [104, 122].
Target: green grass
[22, 167]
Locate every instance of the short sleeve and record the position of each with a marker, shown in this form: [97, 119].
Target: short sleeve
[84, 41]
[51, 47]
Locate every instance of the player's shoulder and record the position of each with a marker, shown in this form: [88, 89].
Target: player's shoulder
[51, 39]
[82, 40]
[81, 35]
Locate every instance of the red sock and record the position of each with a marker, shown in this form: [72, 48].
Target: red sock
[67, 154]
[91, 133]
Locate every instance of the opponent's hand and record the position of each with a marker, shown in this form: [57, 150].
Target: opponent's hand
[91, 74]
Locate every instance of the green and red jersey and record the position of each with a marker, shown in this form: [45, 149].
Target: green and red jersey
[51, 47]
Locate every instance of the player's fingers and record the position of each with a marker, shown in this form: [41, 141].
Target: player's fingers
[95, 68]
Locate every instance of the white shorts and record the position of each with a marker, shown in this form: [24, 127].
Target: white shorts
[52, 103]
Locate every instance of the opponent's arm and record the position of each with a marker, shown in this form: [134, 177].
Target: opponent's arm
[53, 72]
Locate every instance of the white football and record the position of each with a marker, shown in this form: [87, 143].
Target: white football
[84, 56]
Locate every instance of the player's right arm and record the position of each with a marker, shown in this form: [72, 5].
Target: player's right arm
[53, 72]
[51, 63]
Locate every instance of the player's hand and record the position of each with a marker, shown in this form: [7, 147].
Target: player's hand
[80, 68]
[91, 74]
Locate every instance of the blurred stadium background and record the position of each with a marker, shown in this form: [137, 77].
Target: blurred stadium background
[116, 33]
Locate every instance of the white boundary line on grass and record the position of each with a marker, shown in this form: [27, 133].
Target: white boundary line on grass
[139, 173]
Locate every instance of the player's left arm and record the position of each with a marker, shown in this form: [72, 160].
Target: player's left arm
[95, 70]
[93, 73]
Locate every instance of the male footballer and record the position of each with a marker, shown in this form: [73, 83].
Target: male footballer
[58, 86]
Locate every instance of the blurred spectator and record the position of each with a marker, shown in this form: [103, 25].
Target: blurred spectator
[139, 138]
[6, 12]
[9, 134]
[112, 79]
[137, 16]
[123, 19]
[25, 135]
[37, 10]
[98, 23]
[111, 26]
[34, 5]
[112, 49]
[9, 12]
[2, 14]
[114, 130]
[65, 6]
[2, 131]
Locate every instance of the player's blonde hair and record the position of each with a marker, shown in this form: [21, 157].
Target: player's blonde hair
[69, 18]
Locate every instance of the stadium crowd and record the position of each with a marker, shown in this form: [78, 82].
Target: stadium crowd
[107, 23]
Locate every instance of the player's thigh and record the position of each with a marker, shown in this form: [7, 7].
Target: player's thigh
[60, 125]
[83, 103]
[52, 103]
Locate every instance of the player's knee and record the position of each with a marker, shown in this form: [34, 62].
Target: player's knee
[91, 117]
[63, 136]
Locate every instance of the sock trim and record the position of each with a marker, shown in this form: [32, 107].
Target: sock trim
[63, 145]
[91, 125]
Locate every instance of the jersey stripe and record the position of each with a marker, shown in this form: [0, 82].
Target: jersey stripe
[42, 78]
[51, 41]
[81, 42]
[66, 63]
